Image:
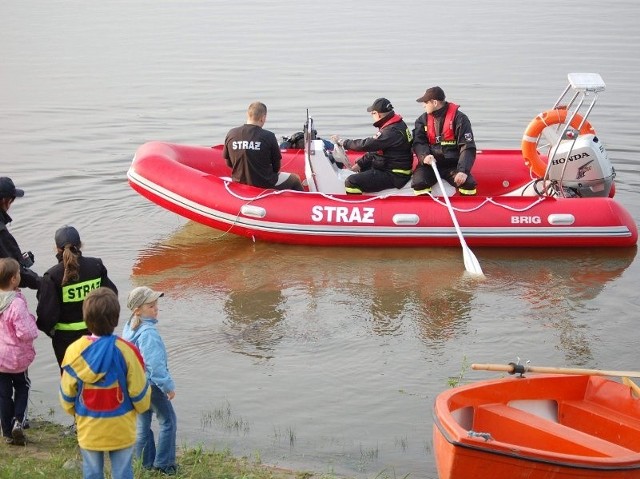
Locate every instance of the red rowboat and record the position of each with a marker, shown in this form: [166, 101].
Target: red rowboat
[538, 427]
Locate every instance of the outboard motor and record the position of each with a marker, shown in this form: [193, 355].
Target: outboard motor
[582, 166]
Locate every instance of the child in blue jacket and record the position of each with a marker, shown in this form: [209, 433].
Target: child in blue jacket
[141, 330]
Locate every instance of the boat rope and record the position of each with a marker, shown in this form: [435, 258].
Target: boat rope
[225, 233]
[283, 167]
[264, 194]
[366, 199]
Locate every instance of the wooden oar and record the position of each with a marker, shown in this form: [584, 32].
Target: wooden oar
[634, 387]
[471, 263]
[516, 369]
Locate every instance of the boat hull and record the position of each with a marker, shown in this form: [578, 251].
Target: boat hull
[193, 181]
[543, 427]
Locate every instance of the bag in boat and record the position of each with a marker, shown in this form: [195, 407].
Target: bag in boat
[340, 156]
[296, 141]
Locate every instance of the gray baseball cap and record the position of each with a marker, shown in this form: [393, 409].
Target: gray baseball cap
[142, 295]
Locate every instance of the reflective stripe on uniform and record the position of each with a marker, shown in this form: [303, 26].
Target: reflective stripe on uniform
[76, 292]
[70, 326]
[467, 192]
[422, 192]
[401, 172]
[352, 190]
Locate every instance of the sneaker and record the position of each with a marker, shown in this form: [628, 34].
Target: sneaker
[17, 434]
[70, 431]
[167, 471]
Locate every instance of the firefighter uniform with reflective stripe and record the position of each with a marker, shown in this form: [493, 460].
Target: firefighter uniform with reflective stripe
[446, 134]
[59, 308]
[388, 161]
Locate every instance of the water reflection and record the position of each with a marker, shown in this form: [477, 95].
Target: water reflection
[555, 289]
[447, 311]
[270, 292]
[254, 319]
[262, 286]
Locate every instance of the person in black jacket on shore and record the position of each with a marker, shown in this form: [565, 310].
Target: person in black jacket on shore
[388, 160]
[443, 133]
[64, 288]
[8, 245]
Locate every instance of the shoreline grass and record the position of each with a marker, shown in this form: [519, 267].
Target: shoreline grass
[52, 452]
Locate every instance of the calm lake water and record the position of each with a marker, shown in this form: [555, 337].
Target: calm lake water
[314, 358]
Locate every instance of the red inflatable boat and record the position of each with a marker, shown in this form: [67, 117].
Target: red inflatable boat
[523, 200]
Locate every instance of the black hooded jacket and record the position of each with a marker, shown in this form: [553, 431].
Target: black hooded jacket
[9, 249]
[392, 143]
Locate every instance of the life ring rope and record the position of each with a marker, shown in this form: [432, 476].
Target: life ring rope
[535, 128]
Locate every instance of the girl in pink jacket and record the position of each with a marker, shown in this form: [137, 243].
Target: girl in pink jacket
[17, 332]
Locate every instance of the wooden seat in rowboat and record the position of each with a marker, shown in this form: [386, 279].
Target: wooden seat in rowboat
[520, 428]
[601, 421]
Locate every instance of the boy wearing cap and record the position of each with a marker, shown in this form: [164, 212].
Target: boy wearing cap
[64, 288]
[141, 330]
[8, 245]
[388, 161]
[443, 134]
[104, 387]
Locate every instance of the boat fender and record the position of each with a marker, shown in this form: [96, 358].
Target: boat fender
[531, 135]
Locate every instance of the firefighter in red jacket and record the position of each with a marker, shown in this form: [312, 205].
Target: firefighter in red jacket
[443, 133]
[388, 159]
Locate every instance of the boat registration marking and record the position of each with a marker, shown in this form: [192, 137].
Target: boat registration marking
[526, 220]
[342, 214]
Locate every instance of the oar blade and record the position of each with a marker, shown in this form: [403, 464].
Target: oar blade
[471, 263]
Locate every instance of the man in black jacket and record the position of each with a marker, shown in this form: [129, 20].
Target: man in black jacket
[443, 133]
[8, 245]
[254, 155]
[388, 161]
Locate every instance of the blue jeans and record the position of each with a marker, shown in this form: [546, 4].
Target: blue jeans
[121, 463]
[163, 454]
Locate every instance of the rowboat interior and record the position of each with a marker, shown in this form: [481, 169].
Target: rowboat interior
[553, 426]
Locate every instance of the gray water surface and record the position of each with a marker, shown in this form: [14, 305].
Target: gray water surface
[323, 359]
